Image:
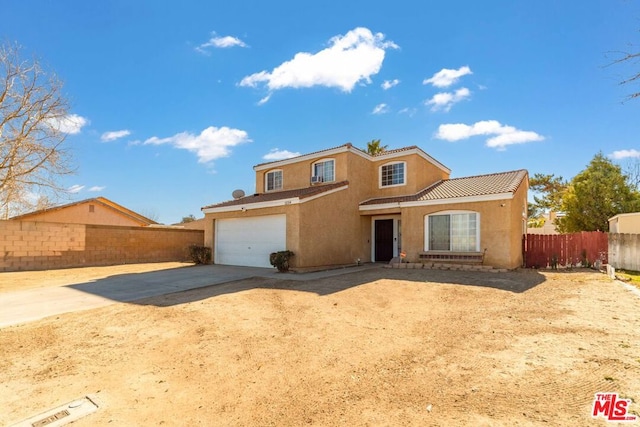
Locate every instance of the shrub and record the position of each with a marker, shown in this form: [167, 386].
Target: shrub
[280, 260]
[200, 254]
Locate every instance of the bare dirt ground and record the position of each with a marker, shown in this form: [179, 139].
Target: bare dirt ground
[379, 347]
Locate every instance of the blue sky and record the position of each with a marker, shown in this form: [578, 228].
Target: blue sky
[174, 102]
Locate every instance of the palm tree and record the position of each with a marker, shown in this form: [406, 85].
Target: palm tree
[374, 147]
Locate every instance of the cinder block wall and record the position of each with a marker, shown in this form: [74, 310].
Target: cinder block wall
[28, 245]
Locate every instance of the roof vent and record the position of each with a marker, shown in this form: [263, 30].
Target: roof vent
[237, 194]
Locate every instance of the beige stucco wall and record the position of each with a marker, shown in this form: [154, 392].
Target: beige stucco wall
[298, 175]
[625, 223]
[501, 228]
[81, 214]
[419, 174]
[359, 170]
[331, 231]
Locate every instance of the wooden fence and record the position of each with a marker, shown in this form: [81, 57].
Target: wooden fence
[549, 250]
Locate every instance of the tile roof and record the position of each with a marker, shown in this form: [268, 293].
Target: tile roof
[280, 195]
[395, 150]
[348, 145]
[480, 185]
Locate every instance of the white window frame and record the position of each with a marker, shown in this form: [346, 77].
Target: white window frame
[313, 169]
[452, 212]
[266, 180]
[404, 174]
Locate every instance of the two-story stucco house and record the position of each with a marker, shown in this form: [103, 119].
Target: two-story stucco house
[341, 205]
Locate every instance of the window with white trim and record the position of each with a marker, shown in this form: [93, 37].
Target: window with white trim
[455, 231]
[324, 170]
[393, 174]
[273, 180]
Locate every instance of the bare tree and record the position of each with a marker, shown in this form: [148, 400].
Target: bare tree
[632, 170]
[634, 58]
[32, 119]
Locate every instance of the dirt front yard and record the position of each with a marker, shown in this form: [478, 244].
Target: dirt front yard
[377, 347]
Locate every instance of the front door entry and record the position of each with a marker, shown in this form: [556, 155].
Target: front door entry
[384, 239]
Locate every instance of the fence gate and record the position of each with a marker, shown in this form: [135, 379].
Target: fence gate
[546, 250]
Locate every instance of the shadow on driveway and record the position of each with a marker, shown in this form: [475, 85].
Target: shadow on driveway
[514, 281]
[176, 286]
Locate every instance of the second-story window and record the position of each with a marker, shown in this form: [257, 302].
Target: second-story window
[392, 174]
[273, 180]
[324, 170]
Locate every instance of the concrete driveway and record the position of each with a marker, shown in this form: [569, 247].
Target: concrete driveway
[29, 305]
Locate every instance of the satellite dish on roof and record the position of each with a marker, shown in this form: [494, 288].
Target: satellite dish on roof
[237, 194]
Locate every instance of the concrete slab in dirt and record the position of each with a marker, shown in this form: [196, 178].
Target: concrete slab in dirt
[62, 415]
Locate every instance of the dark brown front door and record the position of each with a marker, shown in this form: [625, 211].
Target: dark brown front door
[384, 239]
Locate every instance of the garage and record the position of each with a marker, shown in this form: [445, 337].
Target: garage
[249, 241]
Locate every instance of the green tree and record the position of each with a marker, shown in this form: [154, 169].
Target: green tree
[188, 218]
[535, 216]
[596, 194]
[375, 147]
[550, 190]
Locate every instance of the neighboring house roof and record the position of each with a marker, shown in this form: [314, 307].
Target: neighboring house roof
[495, 184]
[549, 226]
[349, 147]
[97, 200]
[622, 215]
[276, 196]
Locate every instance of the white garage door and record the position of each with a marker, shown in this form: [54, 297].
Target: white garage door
[249, 241]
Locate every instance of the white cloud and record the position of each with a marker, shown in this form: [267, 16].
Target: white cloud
[504, 135]
[211, 144]
[349, 59]
[625, 154]
[380, 109]
[70, 124]
[220, 43]
[75, 189]
[277, 154]
[388, 84]
[447, 77]
[445, 100]
[408, 111]
[264, 100]
[96, 188]
[113, 135]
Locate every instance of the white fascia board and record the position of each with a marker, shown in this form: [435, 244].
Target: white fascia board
[319, 154]
[250, 206]
[352, 149]
[625, 215]
[417, 151]
[382, 206]
[272, 203]
[469, 199]
[326, 193]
